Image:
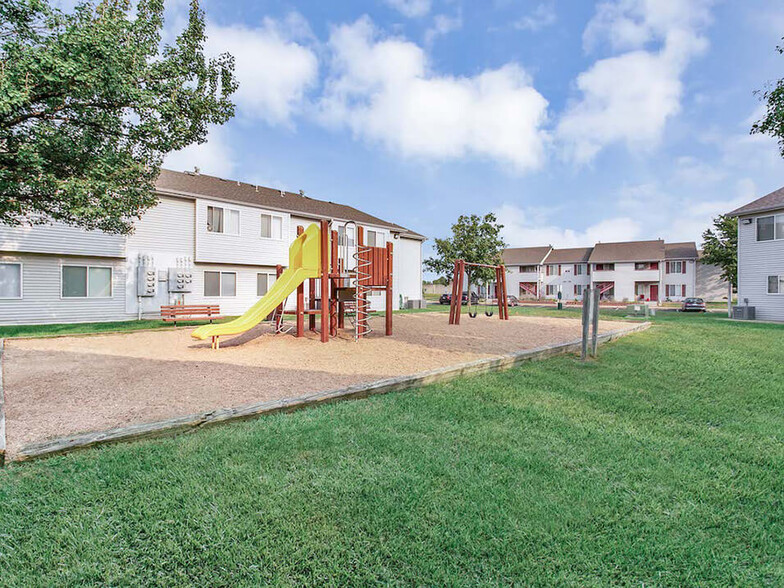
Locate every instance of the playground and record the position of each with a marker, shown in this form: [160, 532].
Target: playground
[61, 386]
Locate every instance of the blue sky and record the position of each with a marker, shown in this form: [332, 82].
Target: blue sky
[575, 122]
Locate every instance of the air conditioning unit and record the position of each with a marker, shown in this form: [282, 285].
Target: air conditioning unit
[146, 277]
[743, 313]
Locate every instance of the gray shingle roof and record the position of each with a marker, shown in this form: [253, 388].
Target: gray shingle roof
[681, 250]
[574, 255]
[525, 255]
[628, 251]
[772, 201]
[199, 185]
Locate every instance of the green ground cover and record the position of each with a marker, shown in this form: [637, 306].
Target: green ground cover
[660, 463]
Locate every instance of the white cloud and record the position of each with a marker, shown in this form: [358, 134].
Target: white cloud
[411, 8]
[531, 227]
[628, 98]
[273, 69]
[678, 215]
[631, 24]
[215, 157]
[443, 25]
[384, 91]
[542, 16]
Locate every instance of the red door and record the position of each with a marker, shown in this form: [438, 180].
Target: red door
[654, 292]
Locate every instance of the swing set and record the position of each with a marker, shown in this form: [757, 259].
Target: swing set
[457, 292]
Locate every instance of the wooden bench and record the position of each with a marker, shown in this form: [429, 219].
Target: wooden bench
[190, 312]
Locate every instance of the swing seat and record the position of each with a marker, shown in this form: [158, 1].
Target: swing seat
[488, 313]
[472, 314]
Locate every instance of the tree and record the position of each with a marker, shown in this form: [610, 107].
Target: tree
[773, 122]
[720, 248]
[476, 240]
[91, 101]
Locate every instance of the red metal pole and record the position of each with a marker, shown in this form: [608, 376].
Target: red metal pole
[454, 290]
[389, 292]
[458, 298]
[300, 299]
[324, 234]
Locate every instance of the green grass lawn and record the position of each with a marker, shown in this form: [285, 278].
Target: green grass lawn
[89, 328]
[661, 463]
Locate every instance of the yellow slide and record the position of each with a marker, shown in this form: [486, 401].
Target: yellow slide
[304, 263]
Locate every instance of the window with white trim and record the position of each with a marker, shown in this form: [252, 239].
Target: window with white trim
[271, 226]
[551, 290]
[223, 220]
[85, 281]
[346, 236]
[578, 289]
[775, 284]
[375, 239]
[10, 280]
[264, 282]
[770, 227]
[674, 290]
[529, 269]
[579, 269]
[675, 267]
[220, 284]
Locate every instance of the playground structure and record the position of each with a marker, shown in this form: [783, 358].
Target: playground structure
[457, 290]
[340, 277]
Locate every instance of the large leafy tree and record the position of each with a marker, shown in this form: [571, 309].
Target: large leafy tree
[474, 239]
[92, 100]
[720, 247]
[773, 122]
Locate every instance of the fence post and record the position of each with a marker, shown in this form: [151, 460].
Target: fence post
[587, 297]
[594, 320]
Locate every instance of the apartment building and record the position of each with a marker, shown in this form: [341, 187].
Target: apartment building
[226, 236]
[650, 271]
[761, 255]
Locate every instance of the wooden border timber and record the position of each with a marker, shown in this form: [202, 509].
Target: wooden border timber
[2, 407]
[204, 419]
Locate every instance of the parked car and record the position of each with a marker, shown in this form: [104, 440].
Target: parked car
[512, 301]
[693, 305]
[447, 298]
[474, 298]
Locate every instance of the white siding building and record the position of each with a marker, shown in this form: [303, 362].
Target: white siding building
[650, 271]
[761, 255]
[231, 236]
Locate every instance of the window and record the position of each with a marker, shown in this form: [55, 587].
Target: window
[672, 290]
[264, 283]
[653, 265]
[676, 267]
[375, 239]
[578, 289]
[579, 269]
[775, 284]
[10, 280]
[766, 228]
[551, 289]
[605, 267]
[346, 236]
[528, 269]
[220, 284]
[553, 270]
[220, 220]
[81, 281]
[271, 226]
